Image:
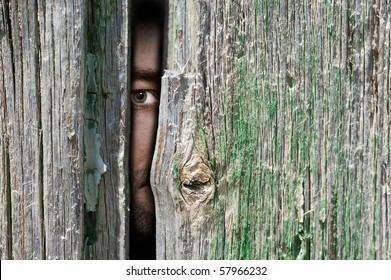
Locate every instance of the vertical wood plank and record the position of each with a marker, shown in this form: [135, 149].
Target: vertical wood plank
[109, 30]
[21, 152]
[62, 84]
[292, 119]
[43, 90]
[5, 221]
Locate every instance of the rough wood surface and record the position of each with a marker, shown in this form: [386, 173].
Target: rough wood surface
[108, 41]
[274, 138]
[274, 131]
[44, 47]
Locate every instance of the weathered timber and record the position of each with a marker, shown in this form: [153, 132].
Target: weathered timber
[274, 131]
[273, 142]
[44, 46]
[108, 41]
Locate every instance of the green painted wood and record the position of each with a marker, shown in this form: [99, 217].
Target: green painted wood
[274, 137]
[287, 104]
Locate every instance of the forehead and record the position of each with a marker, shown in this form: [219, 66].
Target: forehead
[146, 46]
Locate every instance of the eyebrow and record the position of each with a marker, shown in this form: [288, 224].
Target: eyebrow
[145, 74]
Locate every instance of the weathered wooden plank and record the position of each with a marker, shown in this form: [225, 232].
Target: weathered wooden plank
[291, 101]
[31, 160]
[23, 205]
[41, 148]
[109, 29]
[44, 51]
[5, 240]
[62, 84]
[188, 176]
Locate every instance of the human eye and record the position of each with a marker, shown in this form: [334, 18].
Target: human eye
[143, 99]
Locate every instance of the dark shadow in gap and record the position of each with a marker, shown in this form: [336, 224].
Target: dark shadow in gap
[148, 19]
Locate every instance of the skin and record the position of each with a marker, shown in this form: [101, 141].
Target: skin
[145, 90]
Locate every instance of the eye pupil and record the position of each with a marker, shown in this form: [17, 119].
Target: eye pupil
[140, 97]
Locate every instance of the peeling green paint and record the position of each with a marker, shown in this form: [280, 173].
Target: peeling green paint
[175, 171]
[300, 142]
[94, 167]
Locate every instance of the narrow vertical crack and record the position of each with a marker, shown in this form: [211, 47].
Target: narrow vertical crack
[374, 63]
[7, 30]
[9, 211]
[38, 61]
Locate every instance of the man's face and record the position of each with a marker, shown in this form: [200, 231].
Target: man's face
[144, 103]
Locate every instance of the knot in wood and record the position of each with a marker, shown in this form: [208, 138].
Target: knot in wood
[195, 172]
[196, 178]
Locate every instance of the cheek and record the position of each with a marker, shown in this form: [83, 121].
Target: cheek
[144, 125]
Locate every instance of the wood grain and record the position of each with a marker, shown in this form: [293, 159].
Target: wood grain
[291, 106]
[274, 131]
[43, 99]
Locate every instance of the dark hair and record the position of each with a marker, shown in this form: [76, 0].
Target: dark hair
[148, 10]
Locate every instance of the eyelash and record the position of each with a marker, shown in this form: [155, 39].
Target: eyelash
[147, 103]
